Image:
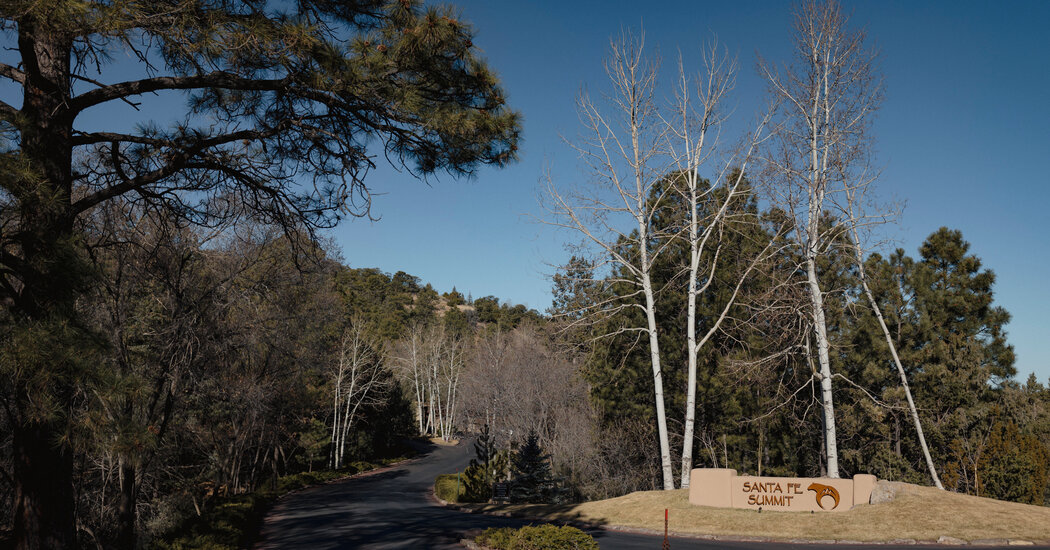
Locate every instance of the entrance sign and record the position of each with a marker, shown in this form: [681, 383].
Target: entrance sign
[722, 487]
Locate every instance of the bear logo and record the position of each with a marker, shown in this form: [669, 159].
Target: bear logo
[822, 491]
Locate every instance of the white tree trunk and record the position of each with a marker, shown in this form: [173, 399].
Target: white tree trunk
[820, 331]
[690, 400]
[418, 383]
[623, 151]
[642, 217]
[453, 370]
[335, 413]
[716, 80]
[858, 257]
[433, 396]
[693, 158]
[658, 386]
[357, 382]
[830, 91]
[344, 429]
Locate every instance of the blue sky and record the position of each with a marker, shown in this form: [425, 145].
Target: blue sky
[963, 137]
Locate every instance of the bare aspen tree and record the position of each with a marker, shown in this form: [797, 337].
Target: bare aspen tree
[447, 369]
[430, 361]
[411, 370]
[357, 381]
[625, 151]
[855, 220]
[690, 146]
[489, 382]
[519, 382]
[432, 364]
[828, 95]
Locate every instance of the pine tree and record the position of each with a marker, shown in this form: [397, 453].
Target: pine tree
[1014, 466]
[488, 467]
[532, 479]
[275, 92]
[954, 298]
[953, 337]
[890, 449]
[484, 448]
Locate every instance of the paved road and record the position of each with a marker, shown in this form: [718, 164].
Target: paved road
[393, 509]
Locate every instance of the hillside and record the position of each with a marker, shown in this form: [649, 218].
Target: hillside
[393, 302]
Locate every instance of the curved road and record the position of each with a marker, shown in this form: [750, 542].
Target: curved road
[394, 509]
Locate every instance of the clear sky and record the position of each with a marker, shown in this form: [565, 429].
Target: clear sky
[963, 139]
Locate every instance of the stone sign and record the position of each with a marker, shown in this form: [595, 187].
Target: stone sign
[722, 487]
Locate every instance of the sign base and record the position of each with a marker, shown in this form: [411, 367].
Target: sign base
[723, 488]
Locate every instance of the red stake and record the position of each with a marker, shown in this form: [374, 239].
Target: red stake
[667, 543]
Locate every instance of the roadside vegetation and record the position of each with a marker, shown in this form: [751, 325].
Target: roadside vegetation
[449, 488]
[234, 522]
[525, 475]
[743, 313]
[540, 537]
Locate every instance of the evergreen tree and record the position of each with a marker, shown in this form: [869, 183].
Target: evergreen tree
[954, 300]
[531, 478]
[1013, 466]
[952, 344]
[882, 439]
[454, 298]
[275, 92]
[488, 309]
[488, 467]
[456, 323]
[484, 447]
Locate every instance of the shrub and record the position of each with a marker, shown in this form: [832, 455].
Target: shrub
[496, 537]
[230, 522]
[228, 525]
[542, 537]
[1014, 465]
[476, 485]
[445, 487]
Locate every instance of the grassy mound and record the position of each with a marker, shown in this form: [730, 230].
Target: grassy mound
[919, 513]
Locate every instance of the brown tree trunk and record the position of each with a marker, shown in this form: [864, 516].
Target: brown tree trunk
[43, 458]
[126, 515]
[44, 488]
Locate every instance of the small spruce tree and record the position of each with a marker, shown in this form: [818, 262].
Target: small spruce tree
[484, 447]
[533, 480]
[481, 474]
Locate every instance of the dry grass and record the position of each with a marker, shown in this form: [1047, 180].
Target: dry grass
[443, 443]
[920, 513]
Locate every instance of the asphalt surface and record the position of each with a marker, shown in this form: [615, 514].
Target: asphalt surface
[395, 509]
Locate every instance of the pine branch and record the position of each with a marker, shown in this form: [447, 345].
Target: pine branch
[214, 80]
